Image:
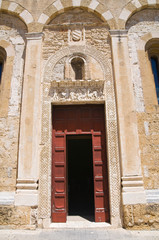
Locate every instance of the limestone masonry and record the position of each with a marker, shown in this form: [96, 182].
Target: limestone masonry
[54, 55]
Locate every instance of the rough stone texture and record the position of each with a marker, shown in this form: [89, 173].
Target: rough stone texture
[17, 217]
[148, 113]
[141, 216]
[11, 30]
[149, 145]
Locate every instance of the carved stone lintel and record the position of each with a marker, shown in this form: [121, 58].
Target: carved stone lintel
[77, 90]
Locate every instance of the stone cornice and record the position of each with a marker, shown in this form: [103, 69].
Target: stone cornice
[77, 83]
[118, 33]
[34, 36]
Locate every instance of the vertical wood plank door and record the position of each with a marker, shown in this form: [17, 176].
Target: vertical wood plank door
[59, 177]
[100, 181]
[76, 120]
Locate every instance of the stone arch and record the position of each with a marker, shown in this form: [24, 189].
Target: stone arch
[16, 9]
[8, 47]
[60, 6]
[146, 39]
[6, 77]
[134, 6]
[89, 50]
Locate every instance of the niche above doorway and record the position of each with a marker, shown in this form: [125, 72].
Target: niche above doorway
[77, 66]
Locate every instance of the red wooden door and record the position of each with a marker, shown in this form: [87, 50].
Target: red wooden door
[80, 119]
[59, 177]
[100, 181]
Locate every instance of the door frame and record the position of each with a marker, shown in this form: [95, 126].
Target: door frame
[114, 175]
[51, 95]
[101, 190]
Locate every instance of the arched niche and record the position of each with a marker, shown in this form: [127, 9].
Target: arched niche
[76, 15]
[133, 7]
[78, 66]
[10, 22]
[142, 18]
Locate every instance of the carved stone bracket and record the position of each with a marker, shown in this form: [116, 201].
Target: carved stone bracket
[77, 90]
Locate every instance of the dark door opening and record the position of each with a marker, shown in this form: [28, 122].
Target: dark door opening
[80, 176]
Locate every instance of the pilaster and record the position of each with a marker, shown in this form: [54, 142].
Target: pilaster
[132, 183]
[28, 162]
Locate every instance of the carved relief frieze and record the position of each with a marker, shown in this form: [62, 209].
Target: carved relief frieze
[78, 90]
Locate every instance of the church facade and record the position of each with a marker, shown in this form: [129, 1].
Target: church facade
[79, 113]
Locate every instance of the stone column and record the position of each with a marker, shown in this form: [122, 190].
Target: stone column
[132, 183]
[28, 162]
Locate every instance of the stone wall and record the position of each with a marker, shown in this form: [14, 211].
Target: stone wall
[141, 24]
[12, 32]
[18, 217]
[141, 216]
[56, 36]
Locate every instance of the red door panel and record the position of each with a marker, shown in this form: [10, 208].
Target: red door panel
[59, 177]
[100, 192]
[79, 119]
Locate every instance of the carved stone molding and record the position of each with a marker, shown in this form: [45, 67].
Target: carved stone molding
[34, 36]
[29, 184]
[77, 90]
[68, 51]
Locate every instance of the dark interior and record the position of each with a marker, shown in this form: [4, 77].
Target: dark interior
[80, 176]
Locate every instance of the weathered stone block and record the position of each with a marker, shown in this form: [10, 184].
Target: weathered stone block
[141, 216]
[16, 217]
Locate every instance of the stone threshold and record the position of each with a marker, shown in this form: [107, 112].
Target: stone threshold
[80, 222]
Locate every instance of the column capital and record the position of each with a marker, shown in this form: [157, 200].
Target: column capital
[118, 33]
[34, 36]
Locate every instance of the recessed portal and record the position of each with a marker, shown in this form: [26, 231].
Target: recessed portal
[79, 166]
[80, 176]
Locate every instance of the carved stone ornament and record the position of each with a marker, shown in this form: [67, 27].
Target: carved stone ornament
[76, 36]
[77, 90]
